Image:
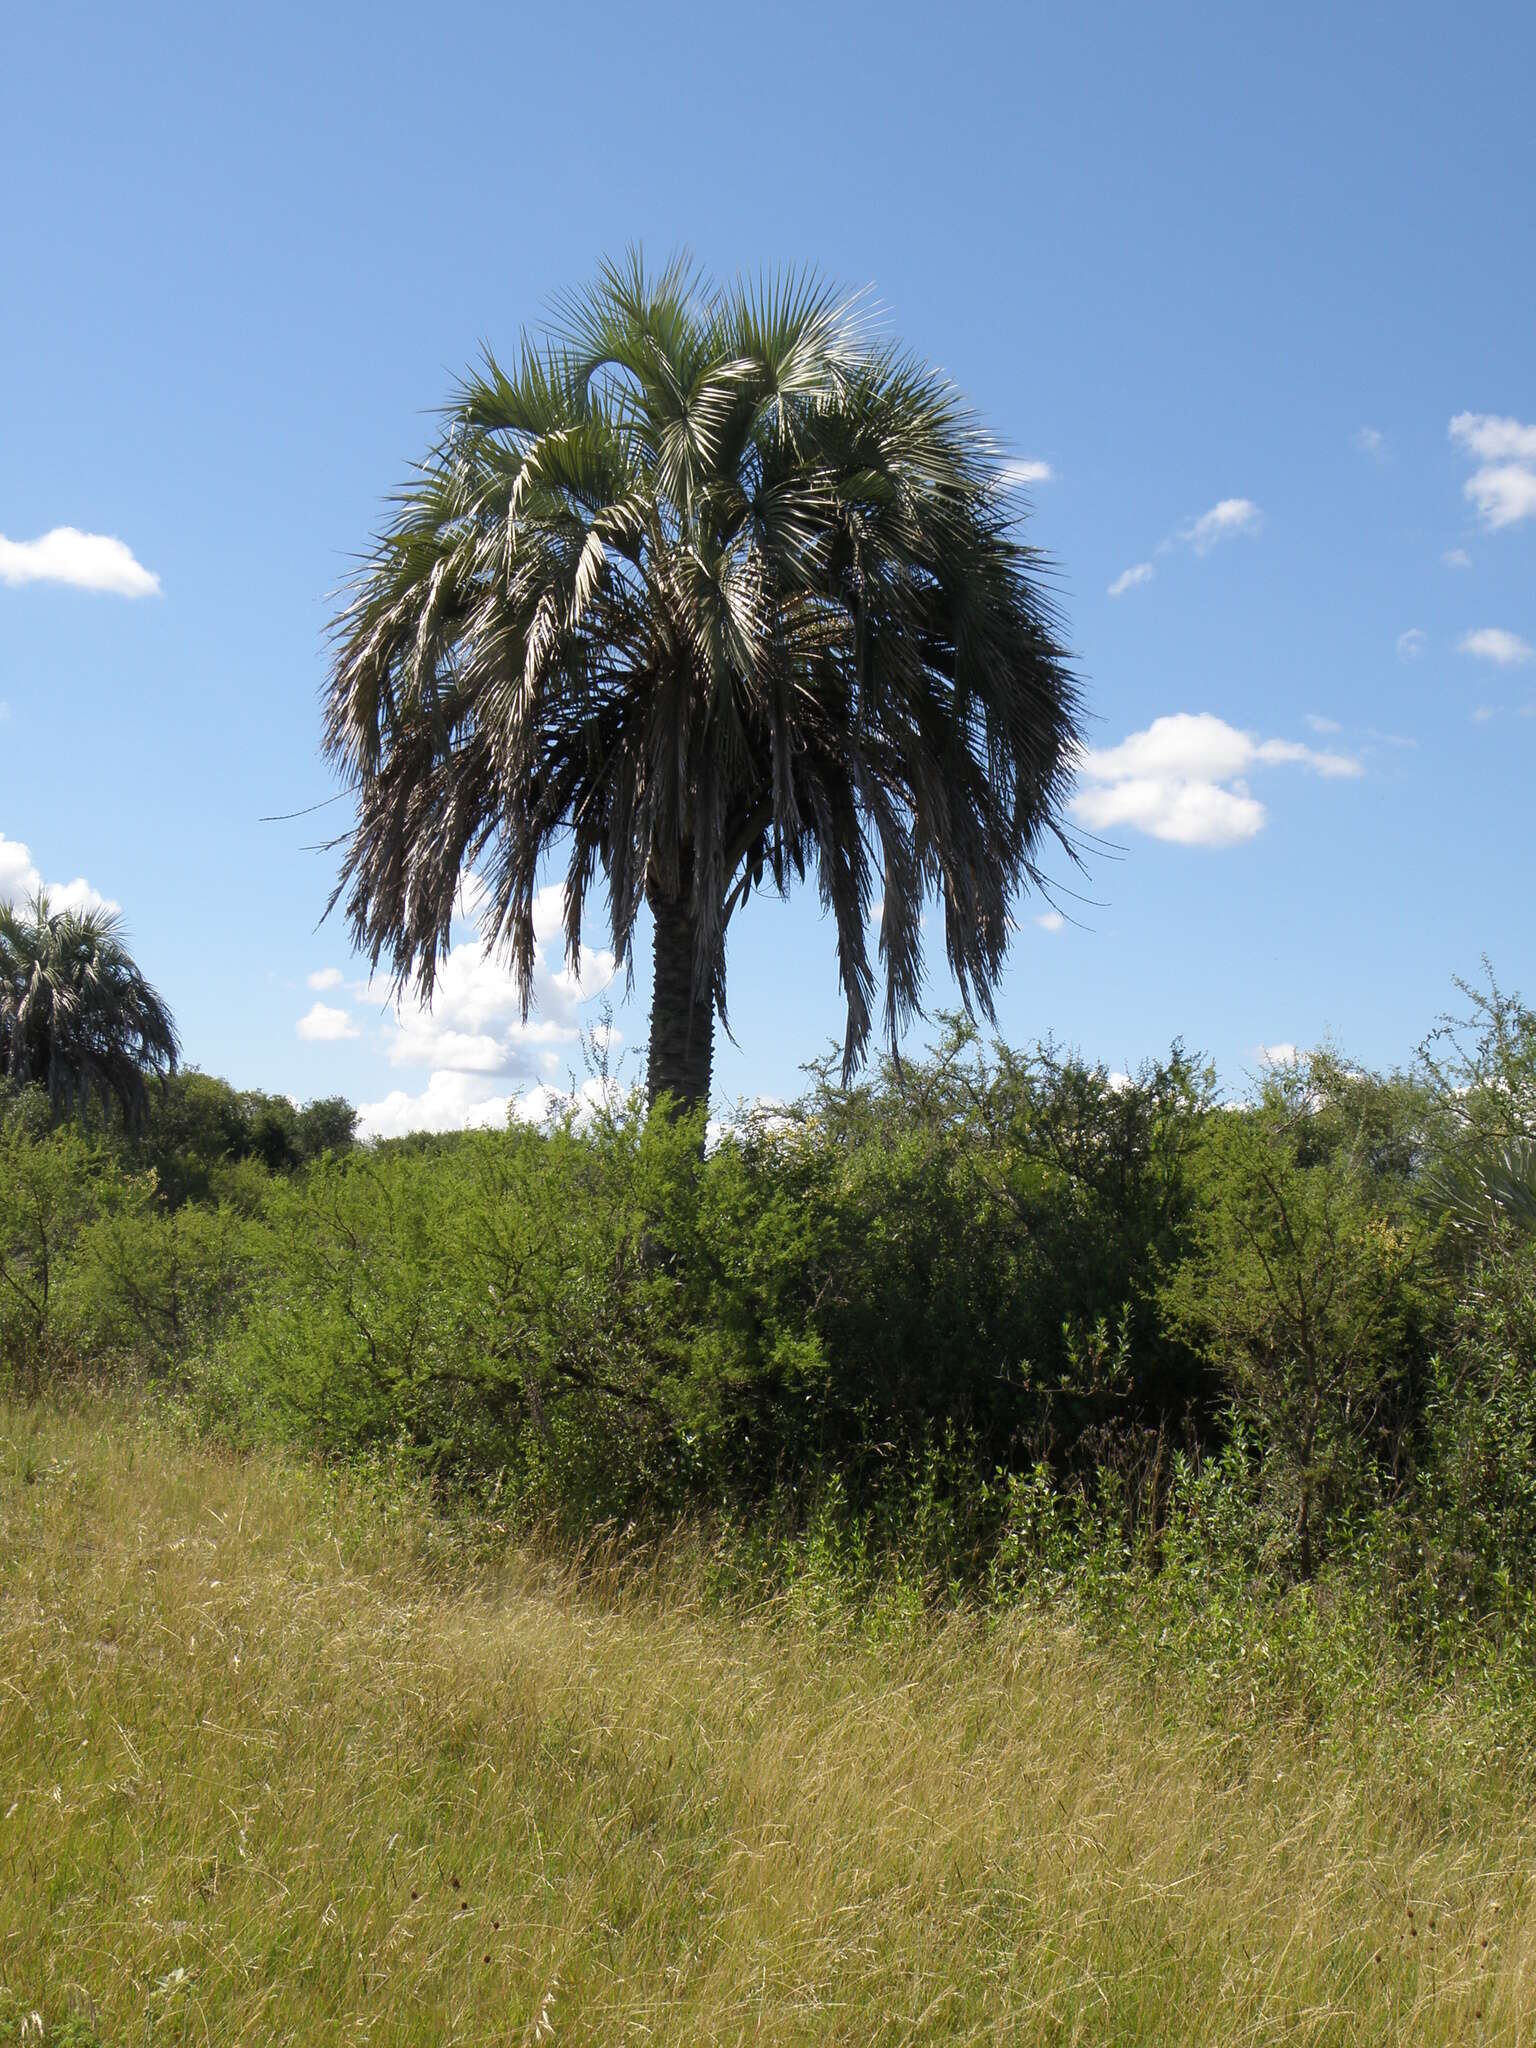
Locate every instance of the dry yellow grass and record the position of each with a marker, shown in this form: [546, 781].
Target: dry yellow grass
[266, 1775]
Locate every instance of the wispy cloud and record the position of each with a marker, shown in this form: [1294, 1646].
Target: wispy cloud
[1494, 643]
[1503, 489]
[1373, 442]
[1456, 558]
[1231, 516]
[1018, 475]
[326, 977]
[1411, 645]
[1323, 725]
[1050, 920]
[1139, 572]
[85, 561]
[1184, 780]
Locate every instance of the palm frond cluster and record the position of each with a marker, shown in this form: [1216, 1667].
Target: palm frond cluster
[711, 589]
[77, 1018]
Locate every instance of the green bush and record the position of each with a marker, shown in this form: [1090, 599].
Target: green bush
[54, 1183]
[1310, 1290]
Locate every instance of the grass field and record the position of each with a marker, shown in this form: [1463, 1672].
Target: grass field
[279, 1763]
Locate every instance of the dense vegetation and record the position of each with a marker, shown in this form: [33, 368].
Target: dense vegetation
[976, 1319]
[999, 1549]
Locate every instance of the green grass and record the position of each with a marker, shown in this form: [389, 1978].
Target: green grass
[281, 1763]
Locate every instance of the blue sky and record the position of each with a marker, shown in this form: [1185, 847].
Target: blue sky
[1254, 285]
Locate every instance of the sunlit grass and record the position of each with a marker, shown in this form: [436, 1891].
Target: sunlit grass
[280, 1765]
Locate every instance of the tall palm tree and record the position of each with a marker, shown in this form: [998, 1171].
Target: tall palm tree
[708, 588]
[76, 1015]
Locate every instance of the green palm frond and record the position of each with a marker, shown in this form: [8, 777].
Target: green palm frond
[1487, 1187]
[710, 590]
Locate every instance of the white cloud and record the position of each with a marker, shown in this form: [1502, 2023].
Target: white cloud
[1019, 475]
[1494, 643]
[1483, 713]
[453, 1101]
[449, 1102]
[1494, 439]
[325, 977]
[1284, 1054]
[1503, 494]
[79, 895]
[1231, 516]
[1456, 558]
[85, 561]
[323, 1025]
[1411, 645]
[1139, 572]
[20, 880]
[1373, 442]
[1503, 490]
[1184, 780]
[482, 1059]
[1323, 725]
[1050, 920]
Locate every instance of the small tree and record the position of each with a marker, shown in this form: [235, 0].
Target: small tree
[52, 1183]
[77, 1018]
[1306, 1287]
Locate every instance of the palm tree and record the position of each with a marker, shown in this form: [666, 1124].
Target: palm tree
[709, 588]
[76, 1016]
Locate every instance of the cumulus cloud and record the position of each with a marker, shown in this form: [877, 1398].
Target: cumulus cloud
[1231, 516]
[325, 977]
[1411, 645]
[85, 561]
[323, 1024]
[1184, 780]
[20, 880]
[1494, 643]
[1139, 572]
[1050, 920]
[457, 1102]
[1018, 475]
[1284, 1054]
[481, 1058]
[1503, 488]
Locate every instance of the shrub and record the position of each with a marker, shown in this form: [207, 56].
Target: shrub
[1309, 1289]
[53, 1183]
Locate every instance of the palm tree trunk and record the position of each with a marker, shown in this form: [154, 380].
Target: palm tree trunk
[682, 1020]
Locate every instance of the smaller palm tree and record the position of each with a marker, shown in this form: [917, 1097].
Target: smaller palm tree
[77, 1018]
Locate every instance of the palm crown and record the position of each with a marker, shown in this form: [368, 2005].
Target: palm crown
[710, 590]
[76, 1016]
